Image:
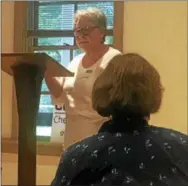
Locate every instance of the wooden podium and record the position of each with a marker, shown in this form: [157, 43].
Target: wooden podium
[28, 71]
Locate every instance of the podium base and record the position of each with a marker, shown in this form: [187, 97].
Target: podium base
[28, 80]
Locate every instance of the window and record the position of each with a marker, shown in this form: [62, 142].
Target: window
[48, 27]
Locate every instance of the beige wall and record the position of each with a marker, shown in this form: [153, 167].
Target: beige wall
[7, 46]
[46, 166]
[158, 31]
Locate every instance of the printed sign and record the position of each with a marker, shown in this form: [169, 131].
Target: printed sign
[58, 124]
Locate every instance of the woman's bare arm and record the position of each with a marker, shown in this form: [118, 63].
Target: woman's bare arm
[55, 87]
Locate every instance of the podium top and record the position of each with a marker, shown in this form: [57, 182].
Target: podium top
[42, 60]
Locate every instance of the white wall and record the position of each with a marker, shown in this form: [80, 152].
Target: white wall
[158, 31]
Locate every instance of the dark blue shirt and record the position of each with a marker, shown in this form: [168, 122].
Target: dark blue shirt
[126, 151]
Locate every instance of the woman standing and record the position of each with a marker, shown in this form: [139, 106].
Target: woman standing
[75, 92]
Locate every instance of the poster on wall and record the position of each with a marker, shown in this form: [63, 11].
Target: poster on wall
[58, 124]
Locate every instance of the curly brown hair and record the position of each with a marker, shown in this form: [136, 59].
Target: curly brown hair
[129, 84]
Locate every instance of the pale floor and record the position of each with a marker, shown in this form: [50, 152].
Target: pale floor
[46, 168]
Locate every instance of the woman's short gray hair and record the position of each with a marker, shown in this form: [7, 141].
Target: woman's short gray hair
[96, 16]
[129, 85]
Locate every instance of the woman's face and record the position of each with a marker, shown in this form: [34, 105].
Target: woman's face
[88, 36]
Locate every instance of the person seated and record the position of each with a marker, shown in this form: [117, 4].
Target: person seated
[127, 150]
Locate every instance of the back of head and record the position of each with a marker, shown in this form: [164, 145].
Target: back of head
[129, 85]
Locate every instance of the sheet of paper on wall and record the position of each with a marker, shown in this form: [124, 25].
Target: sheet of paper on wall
[58, 124]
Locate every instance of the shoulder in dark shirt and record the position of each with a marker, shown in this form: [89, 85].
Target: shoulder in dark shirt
[153, 156]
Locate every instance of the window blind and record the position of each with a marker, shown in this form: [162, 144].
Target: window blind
[60, 15]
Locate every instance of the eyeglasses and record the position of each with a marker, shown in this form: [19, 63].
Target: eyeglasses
[84, 31]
